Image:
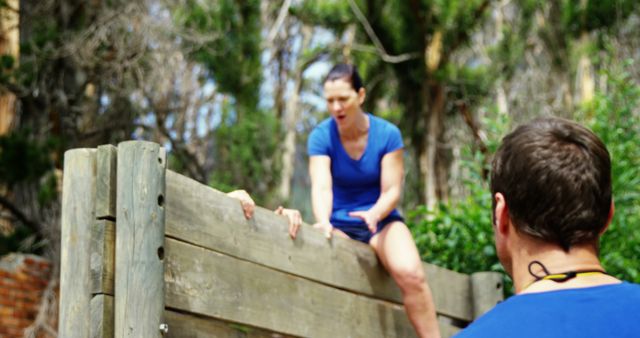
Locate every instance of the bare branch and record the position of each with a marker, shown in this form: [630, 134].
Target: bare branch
[374, 38]
[279, 21]
[35, 226]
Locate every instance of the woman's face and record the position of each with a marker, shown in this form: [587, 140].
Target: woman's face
[343, 102]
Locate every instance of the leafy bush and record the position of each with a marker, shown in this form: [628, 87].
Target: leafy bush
[615, 118]
[458, 235]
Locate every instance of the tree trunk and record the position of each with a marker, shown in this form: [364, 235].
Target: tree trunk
[9, 45]
[434, 173]
[291, 118]
[585, 83]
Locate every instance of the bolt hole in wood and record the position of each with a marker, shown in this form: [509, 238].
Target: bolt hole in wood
[160, 200]
[161, 253]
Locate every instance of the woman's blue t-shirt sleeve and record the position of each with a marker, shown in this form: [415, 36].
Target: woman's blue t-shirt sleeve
[394, 141]
[318, 142]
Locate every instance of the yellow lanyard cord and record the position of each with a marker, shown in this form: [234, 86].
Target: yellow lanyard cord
[561, 277]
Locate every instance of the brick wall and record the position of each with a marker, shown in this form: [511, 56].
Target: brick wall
[23, 279]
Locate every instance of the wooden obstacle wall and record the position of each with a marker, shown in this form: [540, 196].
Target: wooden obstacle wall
[147, 252]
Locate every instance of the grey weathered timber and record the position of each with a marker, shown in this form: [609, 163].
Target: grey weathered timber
[78, 215]
[216, 285]
[106, 182]
[206, 217]
[139, 287]
[222, 275]
[447, 329]
[102, 316]
[487, 289]
[451, 292]
[103, 242]
[183, 325]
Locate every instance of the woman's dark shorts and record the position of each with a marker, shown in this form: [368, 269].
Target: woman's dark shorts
[360, 232]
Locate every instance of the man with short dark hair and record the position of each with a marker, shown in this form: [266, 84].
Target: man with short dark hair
[551, 190]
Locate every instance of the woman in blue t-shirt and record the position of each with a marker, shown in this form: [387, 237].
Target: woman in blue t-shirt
[356, 170]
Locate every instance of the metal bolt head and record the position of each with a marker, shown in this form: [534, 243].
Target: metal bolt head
[164, 328]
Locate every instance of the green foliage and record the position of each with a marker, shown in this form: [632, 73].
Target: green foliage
[233, 55]
[48, 190]
[459, 19]
[26, 162]
[246, 140]
[579, 16]
[6, 61]
[333, 14]
[615, 117]
[471, 84]
[245, 154]
[6, 66]
[22, 159]
[508, 53]
[21, 239]
[459, 235]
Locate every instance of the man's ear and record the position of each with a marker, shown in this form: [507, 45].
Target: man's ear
[501, 215]
[609, 218]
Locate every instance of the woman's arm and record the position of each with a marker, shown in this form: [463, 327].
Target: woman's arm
[321, 191]
[391, 176]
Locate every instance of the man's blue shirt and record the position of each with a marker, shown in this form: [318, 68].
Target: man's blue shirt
[605, 311]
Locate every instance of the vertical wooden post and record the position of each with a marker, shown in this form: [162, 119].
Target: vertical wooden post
[78, 215]
[103, 245]
[106, 182]
[486, 290]
[139, 280]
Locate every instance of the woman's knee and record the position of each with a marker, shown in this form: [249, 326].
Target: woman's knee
[409, 276]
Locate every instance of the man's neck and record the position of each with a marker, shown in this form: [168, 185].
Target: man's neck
[556, 261]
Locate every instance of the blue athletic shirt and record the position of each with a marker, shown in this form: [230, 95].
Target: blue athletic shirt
[356, 183]
[605, 311]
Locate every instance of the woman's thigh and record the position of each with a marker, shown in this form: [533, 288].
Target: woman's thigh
[396, 248]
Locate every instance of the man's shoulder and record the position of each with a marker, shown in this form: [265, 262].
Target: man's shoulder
[628, 290]
[591, 308]
[624, 290]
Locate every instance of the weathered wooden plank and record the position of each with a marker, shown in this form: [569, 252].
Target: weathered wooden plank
[103, 242]
[102, 316]
[106, 182]
[447, 327]
[183, 325]
[139, 287]
[201, 215]
[78, 214]
[451, 292]
[487, 291]
[216, 285]
[204, 216]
